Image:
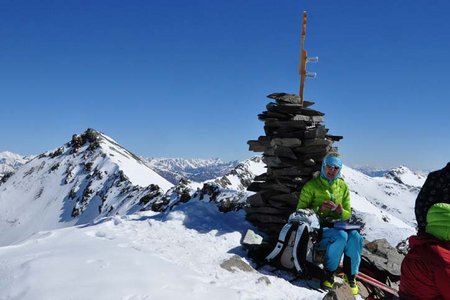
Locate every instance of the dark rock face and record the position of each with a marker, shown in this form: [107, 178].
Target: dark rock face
[90, 136]
[295, 143]
[384, 257]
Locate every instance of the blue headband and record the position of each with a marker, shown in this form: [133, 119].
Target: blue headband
[334, 161]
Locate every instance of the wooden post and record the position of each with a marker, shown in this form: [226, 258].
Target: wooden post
[303, 54]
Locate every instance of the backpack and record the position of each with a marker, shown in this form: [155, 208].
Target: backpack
[293, 245]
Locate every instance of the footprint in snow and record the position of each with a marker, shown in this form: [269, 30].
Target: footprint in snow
[100, 262]
[101, 234]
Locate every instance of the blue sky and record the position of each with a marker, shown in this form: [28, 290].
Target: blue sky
[188, 78]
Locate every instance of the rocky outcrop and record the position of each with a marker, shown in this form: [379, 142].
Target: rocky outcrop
[384, 257]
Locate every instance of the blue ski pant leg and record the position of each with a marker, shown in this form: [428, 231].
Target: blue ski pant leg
[333, 242]
[353, 249]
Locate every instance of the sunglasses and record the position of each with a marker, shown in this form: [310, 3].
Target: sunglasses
[332, 167]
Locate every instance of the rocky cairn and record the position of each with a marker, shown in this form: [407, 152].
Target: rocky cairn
[293, 148]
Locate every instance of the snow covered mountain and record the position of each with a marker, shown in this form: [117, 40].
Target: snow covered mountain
[174, 169]
[405, 176]
[89, 177]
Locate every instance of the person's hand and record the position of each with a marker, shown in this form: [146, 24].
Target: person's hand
[327, 205]
[330, 205]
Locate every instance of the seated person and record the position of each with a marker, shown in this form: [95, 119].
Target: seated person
[329, 197]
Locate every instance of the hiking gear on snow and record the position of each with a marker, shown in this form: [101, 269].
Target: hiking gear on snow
[318, 190]
[425, 271]
[435, 190]
[258, 253]
[438, 221]
[336, 242]
[351, 281]
[292, 246]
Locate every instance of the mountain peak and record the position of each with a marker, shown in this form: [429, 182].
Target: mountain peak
[90, 136]
[404, 175]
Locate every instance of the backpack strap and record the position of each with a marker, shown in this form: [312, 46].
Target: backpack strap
[298, 236]
[281, 242]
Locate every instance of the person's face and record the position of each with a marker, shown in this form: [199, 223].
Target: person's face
[331, 172]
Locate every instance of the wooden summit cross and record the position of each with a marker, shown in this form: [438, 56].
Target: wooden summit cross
[303, 60]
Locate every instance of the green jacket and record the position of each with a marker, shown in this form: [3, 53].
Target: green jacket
[438, 221]
[318, 190]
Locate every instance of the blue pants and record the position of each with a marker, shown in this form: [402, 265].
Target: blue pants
[336, 242]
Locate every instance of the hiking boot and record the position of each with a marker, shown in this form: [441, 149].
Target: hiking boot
[328, 280]
[351, 281]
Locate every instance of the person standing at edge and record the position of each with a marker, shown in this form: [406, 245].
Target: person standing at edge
[329, 197]
[425, 270]
[436, 189]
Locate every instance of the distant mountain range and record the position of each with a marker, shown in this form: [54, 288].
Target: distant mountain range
[174, 169]
[380, 172]
[92, 177]
[371, 171]
[9, 162]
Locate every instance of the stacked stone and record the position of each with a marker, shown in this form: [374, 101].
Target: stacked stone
[295, 143]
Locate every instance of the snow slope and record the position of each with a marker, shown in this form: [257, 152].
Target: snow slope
[143, 256]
